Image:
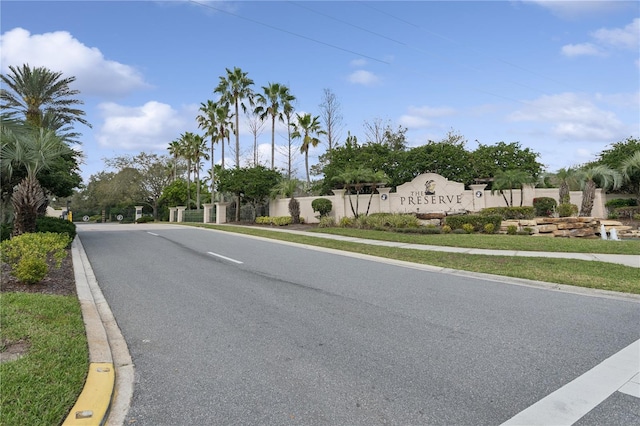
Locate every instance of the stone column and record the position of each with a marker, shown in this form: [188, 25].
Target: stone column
[181, 210]
[339, 205]
[172, 214]
[221, 213]
[207, 212]
[478, 194]
[385, 205]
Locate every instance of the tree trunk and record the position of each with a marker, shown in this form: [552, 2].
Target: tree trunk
[27, 199]
[294, 210]
[588, 194]
[564, 193]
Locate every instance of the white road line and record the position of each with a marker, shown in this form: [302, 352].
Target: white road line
[575, 399]
[224, 257]
[153, 233]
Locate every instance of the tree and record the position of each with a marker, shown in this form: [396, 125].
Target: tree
[307, 128]
[234, 88]
[288, 109]
[510, 179]
[175, 150]
[33, 91]
[565, 178]
[590, 178]
[33, 150]
[256, 126]
[288, 188]
[487, 160]
[356, 180]
[269, 104]
[207, 122]
[630, 169]
[194, 149]
[331, 118]
[152, 176]
[251, 184]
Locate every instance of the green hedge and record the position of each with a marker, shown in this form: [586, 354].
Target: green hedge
[507, 213]
[57, 225]
[478, 221]
[275, 220]
[544, 206]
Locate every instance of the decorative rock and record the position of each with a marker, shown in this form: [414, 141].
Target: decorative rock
[547, 228]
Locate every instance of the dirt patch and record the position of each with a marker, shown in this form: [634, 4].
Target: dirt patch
[13, 351]
[59, 281]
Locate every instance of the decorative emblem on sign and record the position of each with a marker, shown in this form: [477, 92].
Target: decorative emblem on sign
[478, 194]
[430, 187]
[383, 197]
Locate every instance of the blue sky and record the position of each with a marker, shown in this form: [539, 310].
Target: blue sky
[560, 77]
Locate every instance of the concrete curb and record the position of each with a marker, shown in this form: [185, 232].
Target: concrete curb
[108, 388]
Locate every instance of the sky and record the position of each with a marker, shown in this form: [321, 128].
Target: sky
[559, 77]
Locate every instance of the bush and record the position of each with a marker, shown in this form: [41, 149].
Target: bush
[5, 231]
[621, 202]
[422, 230]
[145, 219]
[507, 213]
[544, 206]
[28, 254]
[468, 228]
[322, 205]
[477, 221]
[326, 222]
[345, 222]
[275, 220]
[458, 231]
[57, 225]
[567, 210]
[446, 229]
[512, 229]
[385, 221]
[626, 212]
[489, 228]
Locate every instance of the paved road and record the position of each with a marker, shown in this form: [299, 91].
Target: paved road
[225, 329]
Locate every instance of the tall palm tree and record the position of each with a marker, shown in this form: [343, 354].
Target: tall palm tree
[175, 150]
[590, 177]
[33, 91]
[195, 149]
[566, 178]
[234, 88]
[34, 150]
[288, 109]
[356, 180]
[630, 170]
[207, 121]
[510, 179]
[308, 129]
[269, 105]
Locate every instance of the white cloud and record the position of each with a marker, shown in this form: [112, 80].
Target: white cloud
[572, 117]
[363, 77]
[420, 117]
[148, 127]
[60, 52]
[622, 38]
[358, 63]
[583, 49]
[571, 9]
[627, 38]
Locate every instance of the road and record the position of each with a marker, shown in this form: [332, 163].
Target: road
[225, 330]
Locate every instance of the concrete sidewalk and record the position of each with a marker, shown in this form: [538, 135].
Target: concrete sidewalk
[622, 259]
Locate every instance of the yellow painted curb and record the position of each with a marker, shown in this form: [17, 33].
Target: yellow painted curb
[93, 403]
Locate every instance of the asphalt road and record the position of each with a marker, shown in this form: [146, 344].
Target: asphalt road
[227, 330]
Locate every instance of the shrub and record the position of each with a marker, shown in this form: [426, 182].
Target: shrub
[477, 221]
[57, 225]
[387, 220]
[322, 205]
[345, 222]
[567, 209]
[621, 202]
[626, 212]
[421, 230]
[5, 231]
[28, 254]
[507, 213]
[468, 228]
[512, 229]
[489, 228]
[544, 206]
[327, 222]
[145, 219]
[446, 229]
[458, 231]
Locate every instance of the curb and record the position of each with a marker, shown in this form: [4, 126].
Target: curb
[109, 385]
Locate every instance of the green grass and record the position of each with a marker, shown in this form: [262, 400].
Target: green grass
[41, 387]
[581, 273]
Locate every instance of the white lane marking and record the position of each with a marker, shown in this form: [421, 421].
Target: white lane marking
[575, 399]
[224, 257]
[153, 233]
[632, 387]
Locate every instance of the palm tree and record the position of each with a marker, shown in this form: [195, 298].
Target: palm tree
[288, 188]
[307, 128]
[33, 91]
[233, 88]
[356, 179]
[566, 178]
[510, 179]
[34, 150]
[208, 122]
[288, 110]
[175, 150]
[589, 179]
[195, 149]
[630, 170]
[269, 104]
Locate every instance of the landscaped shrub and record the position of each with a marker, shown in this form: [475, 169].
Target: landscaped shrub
[322, 205]
[446, 229]
[468, 228]
[478, 221]
[57, 225]
[507, 213]
[387, 221]
[544, 206]
[275, 220]
[567, 210]
[489, 228]
[420, 230]
[621, 202]
[627, 212]
[145, 219]
[5, 231]
[345, 222]
[512, 229]
[327, 222]
[27, 254]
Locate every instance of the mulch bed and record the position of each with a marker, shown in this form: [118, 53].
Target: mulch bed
[60, 281]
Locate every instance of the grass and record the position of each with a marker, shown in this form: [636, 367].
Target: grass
[580, 273]
[41, 387]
